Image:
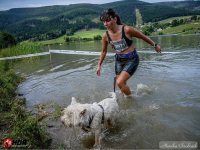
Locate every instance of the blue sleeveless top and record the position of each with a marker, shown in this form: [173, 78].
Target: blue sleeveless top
[122, 44]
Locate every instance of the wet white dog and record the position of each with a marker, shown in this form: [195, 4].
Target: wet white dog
[91, 117]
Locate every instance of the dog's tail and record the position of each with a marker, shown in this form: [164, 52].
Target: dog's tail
[113, 94]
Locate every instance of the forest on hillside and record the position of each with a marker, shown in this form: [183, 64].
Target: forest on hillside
[189, 5]
[45, 23]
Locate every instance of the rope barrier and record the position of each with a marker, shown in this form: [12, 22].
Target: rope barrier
[73, 52]
[24, 56]
[79, 52]
[59, 52]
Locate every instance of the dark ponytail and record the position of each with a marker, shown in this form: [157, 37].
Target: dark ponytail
[118, 20]
[108, 14]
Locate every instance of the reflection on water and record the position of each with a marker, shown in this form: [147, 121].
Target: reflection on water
[165, 106]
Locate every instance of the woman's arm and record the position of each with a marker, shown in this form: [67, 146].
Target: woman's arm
[135, 33]
[103, 52]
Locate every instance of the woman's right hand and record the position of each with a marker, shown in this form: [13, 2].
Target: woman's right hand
[98, 70]
[158, 49]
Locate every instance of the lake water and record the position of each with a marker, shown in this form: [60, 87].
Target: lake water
[166, 89]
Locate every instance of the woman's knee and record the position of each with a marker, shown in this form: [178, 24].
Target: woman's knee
[120, 83]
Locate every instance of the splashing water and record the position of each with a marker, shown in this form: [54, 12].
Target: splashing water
[143, 89]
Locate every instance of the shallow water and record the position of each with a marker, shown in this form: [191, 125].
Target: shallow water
[166, 89]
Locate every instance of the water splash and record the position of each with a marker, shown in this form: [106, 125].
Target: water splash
[143, 89]
[153, 106]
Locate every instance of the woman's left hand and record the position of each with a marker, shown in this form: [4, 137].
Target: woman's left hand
[158, 49]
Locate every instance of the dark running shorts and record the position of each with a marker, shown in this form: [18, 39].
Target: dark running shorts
[126, 64]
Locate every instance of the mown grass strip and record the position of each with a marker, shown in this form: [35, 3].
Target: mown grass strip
[138, 17]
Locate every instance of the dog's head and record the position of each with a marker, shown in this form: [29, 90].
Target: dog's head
[74, 115]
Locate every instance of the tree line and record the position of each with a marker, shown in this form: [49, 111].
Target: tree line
[73, 39]
[27, 23]
[7, 40]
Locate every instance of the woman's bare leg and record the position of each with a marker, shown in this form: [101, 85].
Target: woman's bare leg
[121, 83]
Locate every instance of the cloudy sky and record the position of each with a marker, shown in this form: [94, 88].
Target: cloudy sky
[7, 4]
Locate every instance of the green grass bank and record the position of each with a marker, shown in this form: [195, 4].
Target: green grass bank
[16, 122]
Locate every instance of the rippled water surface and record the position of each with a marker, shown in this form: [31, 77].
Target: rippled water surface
[166, 89]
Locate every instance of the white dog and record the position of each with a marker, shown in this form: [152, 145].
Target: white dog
[89, 117]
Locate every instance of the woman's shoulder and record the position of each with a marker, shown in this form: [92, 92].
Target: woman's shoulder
[104, 36]
[129, 29]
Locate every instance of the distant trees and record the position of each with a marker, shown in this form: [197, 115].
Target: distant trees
[155, 13]
[38, 30]
[98, 37]
[6, 40]
[67, 39]
[47, 23]
[148, 29]
[51, 22]
[73, 39]
[194, 18]
[177, 22]
[161, 25]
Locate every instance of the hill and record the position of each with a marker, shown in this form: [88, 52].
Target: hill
[182, 29]
[168, 20]
[45, 23]
[189, 5]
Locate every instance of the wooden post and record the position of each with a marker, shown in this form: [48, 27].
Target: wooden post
[50, 57]
[50, 54]
[114, 83]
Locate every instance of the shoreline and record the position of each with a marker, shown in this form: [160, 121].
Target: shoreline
[17, 122]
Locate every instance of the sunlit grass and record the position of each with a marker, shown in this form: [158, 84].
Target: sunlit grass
[22, 49]
[138, 17]
[173, 18]
[16, 122]
[79, 34]
[183, 29]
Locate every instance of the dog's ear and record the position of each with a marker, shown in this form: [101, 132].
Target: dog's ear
[73, 101]
[83, 112]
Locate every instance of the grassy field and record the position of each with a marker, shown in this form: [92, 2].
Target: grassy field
[88, 34]
[54, 41]
[81, 34]
[183, 29]
[173, 18]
